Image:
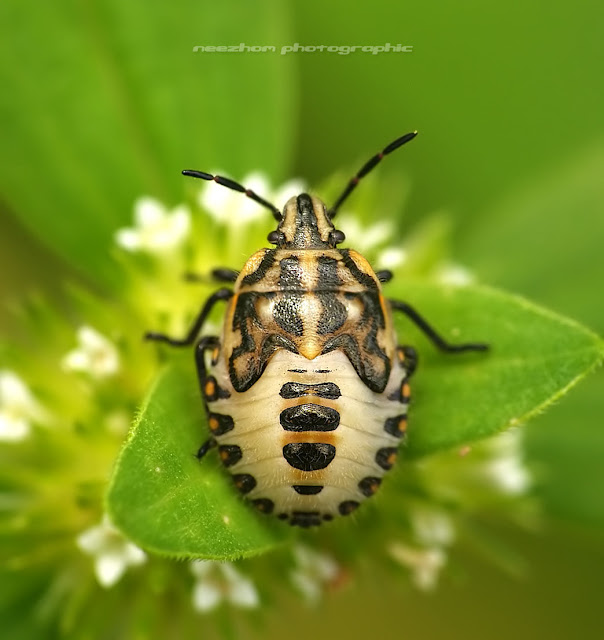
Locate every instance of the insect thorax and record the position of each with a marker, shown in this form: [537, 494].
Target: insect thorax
[309, 302]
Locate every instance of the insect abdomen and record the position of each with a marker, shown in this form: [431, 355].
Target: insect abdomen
[311, 442]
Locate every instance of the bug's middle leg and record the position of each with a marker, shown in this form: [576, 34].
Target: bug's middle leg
[189, 339]
[431, 333]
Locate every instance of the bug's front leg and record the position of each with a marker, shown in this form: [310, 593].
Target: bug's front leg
[220, 274]
[189, 339]
[432, 334]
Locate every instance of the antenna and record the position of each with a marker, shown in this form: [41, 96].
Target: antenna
[367, 167]
[235, 186]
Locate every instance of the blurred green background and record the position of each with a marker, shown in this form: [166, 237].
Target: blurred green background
[103, 101]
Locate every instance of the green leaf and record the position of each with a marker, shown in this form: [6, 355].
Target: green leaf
[535, 357]
[166, 500]
[565, 447]
[561, 213]
[116, 104]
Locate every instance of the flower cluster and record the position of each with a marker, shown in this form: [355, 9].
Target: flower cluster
[63, 417]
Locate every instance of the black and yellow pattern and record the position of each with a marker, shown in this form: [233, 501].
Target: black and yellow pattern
[309, 358]
[306, 390]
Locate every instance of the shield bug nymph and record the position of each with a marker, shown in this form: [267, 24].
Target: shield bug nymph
[307, 388]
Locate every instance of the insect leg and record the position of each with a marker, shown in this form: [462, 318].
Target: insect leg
[189, 339]
[221, 274]
[438, 340]
[385, 275]
[210, 443]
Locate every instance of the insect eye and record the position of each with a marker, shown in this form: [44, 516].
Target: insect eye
[336, 236]
[276, 237]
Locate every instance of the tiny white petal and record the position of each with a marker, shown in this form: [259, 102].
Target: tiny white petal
[112, 552]
[133, 555]
[286, 191]
[432, 527]
[76, 361]
[206, 596]
[148, 212]
[155, 230]
[242, 593]
[18, 408]
[308, 586]
[128, 239]
[92, 540]
[95, 355]
[314, 570]
[202, 568]
[109, 568]
[509, 475]
[425, 564]
[13, 429]
[391, 258]
[456, 275]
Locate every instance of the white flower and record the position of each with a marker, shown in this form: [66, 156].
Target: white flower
[425, 564]
[18, 408]
[505, 470]
[218, 581]
[112, 552]
[95, 355]
[233, 208]
[362, 238]
[156, 230]
[313, 571]
[432, 526]
[456, 275]
[390, 258]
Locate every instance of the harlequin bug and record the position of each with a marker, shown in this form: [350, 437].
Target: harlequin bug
[306, 390]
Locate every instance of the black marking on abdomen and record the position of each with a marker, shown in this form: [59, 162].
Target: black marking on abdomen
[307, 489]
[347, 507]
[306, 519]
[244, 482]
[309, 456]
[396, 426]
[369, 485]
[220, 423]
[386, 457]
[327, 390]
[264, 504]
[309, 417]
[212, 391]
[299, 370]
[230, 454]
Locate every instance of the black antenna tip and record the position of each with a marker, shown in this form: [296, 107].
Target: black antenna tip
[399, 142]
[197, 174]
